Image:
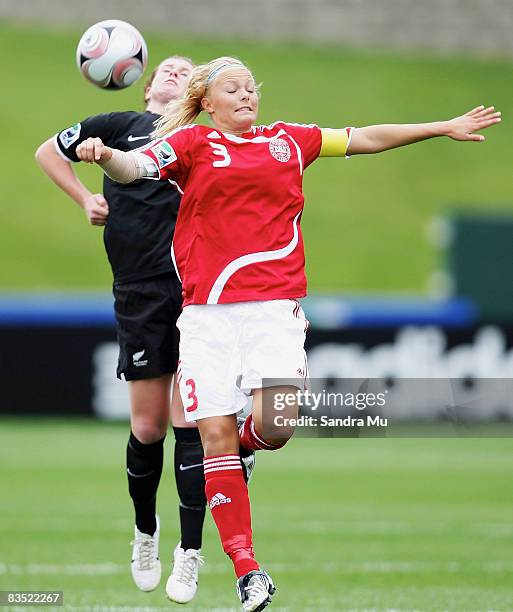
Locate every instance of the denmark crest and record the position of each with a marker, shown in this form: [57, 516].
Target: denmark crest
[279, 149]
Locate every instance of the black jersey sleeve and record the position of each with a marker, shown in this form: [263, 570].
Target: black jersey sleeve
[103, 126]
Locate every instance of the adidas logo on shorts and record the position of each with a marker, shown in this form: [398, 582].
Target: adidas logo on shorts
[219, 499]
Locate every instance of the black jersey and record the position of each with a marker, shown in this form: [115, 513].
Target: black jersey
[142, 214]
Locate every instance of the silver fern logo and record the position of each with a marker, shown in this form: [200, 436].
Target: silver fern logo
[138, 360]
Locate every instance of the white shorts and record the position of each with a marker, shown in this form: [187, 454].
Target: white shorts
[226, 350]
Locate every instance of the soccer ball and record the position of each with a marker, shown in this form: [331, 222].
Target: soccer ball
[112, 54]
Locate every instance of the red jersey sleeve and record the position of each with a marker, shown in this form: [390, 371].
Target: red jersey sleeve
[173, 154]
[309, 139]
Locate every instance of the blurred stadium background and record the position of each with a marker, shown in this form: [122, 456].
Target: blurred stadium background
[409, 261]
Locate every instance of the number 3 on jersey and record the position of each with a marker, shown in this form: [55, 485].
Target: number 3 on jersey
[221, 151]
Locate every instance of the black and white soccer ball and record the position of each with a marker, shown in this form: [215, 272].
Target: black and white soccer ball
[112, 54]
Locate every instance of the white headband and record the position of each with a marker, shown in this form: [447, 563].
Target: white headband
[222, 68]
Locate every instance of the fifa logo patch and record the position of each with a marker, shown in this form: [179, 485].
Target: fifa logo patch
[279, 149]
[164, 153]
[219, 499]
[71, 135]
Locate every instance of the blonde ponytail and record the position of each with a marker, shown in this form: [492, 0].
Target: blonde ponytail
[177, 114]
[184, 112]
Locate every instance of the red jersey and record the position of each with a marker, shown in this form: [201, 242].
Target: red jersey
[238, 235]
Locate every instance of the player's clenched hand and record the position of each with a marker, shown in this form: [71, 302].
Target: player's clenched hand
[479, 118]
[96, 209]
[93, 150]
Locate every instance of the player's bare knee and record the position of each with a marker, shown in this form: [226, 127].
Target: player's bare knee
[219, 439]
[280, 440]
[276, 418]
[148, 432]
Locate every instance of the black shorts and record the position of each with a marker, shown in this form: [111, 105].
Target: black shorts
[146, 313]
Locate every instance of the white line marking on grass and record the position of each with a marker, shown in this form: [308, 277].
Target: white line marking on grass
[496, 530]
[372, 527]
[147, 609]
[83, 569]
[63, 525]
[86, 569]
[342, 567]
[498, 567]
[113, 609]
[385, 610]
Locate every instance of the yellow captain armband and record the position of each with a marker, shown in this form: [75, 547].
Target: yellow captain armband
[335, 142]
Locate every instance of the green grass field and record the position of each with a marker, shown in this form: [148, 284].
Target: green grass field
[376, 524]
[362, 216]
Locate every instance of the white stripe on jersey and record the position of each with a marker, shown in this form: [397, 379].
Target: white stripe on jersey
[251, 258]
[299, 155]
[173, 259]
[175, 184]
[270, 127]
[256, 140]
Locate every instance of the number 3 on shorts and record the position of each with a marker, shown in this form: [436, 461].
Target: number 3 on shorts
[191, 395]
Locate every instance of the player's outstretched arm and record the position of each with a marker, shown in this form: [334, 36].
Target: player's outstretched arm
[377, 138]
[120, 166]
[62, 174]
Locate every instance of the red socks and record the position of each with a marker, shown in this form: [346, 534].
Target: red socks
[227, 496]
[250, 439]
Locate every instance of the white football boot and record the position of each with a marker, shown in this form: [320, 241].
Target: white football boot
[255, 590]
[146, 568]
[182, 584]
